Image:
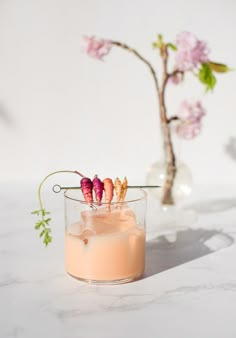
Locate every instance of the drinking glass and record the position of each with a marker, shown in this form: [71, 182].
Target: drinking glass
[105, 244]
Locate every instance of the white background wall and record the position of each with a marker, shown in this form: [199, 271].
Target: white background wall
[61, 109]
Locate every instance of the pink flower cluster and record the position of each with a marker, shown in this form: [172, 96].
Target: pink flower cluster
[96, 48]
[190, 51]
[190, 115]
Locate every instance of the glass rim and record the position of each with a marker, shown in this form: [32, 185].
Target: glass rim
[143, 197]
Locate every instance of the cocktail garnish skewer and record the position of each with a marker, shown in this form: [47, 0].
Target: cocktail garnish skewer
[57, 188]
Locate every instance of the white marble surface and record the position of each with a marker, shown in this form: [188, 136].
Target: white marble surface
[188, 291]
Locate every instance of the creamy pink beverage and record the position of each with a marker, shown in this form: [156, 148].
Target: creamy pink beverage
[105, 246]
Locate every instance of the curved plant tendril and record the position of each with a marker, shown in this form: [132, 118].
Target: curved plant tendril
[43, 223]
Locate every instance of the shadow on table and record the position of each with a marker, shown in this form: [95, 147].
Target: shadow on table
[230, 148]
[214, 205]
[162, 254]
[5, 116]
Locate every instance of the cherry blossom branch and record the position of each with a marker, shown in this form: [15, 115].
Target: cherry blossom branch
[167, 197]
[175, 72]
[168, 146]
[173, 118]
[191, 55]
[164, 55]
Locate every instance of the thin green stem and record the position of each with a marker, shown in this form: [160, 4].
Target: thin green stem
[42, 212]
[51, 174]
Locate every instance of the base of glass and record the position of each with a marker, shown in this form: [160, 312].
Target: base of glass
[107, 282]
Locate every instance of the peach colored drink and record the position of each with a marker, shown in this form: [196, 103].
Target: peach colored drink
[105, 246]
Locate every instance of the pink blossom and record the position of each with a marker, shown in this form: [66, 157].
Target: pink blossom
[190, 51]
[190, 115]
[96, 48]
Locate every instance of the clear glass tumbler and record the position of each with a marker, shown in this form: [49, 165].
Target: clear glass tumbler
[105, 243]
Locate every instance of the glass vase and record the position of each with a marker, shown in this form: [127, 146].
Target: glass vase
[183, 181]
[171, 217]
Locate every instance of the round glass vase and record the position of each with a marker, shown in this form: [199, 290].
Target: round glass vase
[105, 244]
[183, 181]
[171, 217]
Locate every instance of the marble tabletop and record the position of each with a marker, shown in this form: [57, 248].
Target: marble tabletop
[188, 290]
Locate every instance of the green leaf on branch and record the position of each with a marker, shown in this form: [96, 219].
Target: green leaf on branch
[207, 77]
[47, 238]
[42, 233]
[172, 46]
[44, 212]
[38, 224]
[159, 43]
[218, 67]
[35, 212]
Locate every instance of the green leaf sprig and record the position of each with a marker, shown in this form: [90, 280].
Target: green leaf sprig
[159, 44]
[43, 222]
